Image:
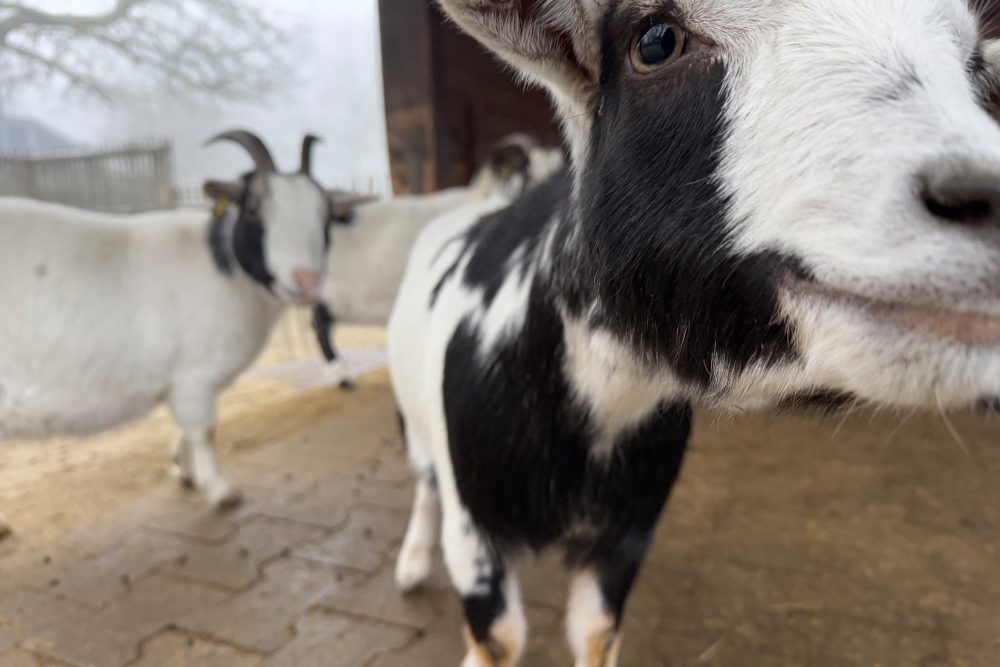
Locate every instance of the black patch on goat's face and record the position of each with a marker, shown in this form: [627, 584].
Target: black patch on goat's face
[654, 220]
[219, 243]
[249, 232]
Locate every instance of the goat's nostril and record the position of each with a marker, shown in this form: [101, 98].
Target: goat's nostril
[966, 201]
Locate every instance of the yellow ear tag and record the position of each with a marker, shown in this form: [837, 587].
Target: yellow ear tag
[220, 206]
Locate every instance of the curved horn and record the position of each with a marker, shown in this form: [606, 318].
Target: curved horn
[307, 146]
[253, 145]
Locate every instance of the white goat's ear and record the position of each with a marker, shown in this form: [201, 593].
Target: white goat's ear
[223, 190]
[554, 42]
[511, 156]
[342, 204]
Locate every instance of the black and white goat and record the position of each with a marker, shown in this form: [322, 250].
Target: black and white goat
[107, 316]
[371, 244]
[767, 199]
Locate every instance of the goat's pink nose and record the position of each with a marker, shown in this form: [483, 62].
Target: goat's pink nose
[308, 281]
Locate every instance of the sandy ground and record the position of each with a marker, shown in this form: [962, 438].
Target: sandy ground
[46, 488]
[856, 540]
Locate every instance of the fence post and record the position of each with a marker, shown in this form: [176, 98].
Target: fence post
[29, 178]
[163, 171]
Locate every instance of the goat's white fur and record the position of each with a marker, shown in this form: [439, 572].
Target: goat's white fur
[107, 316]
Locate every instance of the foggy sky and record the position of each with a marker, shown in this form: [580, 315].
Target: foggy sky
[336, 93]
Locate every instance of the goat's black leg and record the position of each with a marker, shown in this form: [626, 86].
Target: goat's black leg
[323, 322]
[631, 491]
[495, 625]
[598, 593]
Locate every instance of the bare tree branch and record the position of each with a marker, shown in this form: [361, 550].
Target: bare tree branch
[76, 78]
[27, 16]
[219, 48]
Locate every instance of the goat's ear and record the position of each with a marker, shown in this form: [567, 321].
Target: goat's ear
[511, 158]
[342, 203]
[223, 190]
[554, 42]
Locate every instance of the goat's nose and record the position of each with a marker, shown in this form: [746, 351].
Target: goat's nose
[308, 281]
[965, 200]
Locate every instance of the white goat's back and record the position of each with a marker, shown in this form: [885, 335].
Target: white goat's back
[368, 256]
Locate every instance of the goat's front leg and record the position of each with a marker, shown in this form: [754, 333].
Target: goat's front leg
[417, 553]
[194, 454]
[495, 628]
[597, 601]
[323, 322]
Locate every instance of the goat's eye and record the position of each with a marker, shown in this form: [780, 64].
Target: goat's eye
[659, 45]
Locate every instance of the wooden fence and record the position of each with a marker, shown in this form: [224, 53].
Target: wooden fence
[127, 179]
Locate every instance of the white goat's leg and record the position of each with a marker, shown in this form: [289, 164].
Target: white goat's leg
[183, 465]
[496, 629]
[592, 629]
[339, 373]
[194, 411]
[416, 557]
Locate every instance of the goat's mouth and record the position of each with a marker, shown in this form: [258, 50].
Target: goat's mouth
[960, 326]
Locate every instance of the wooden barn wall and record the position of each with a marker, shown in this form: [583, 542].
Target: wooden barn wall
[447, 100]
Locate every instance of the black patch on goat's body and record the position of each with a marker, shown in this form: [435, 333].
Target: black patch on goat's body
[521, 446]
[483, 610]
[658, 256]
[616, 563]
[445, 277]
[491, 245]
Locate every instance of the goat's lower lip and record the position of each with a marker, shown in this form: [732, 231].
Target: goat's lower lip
[969, 328]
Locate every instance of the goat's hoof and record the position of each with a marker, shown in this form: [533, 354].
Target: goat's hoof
[412, 569]
[183, 478]
[348, 385]
[5, 529]
[228, 499]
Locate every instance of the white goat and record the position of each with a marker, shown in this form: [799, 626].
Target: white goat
[107, 316]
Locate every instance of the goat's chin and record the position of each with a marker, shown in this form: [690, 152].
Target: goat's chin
[894, 353]
[293, 297]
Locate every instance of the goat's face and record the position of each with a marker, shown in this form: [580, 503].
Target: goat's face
[294, 213]
[281, 233]
[781, 196]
